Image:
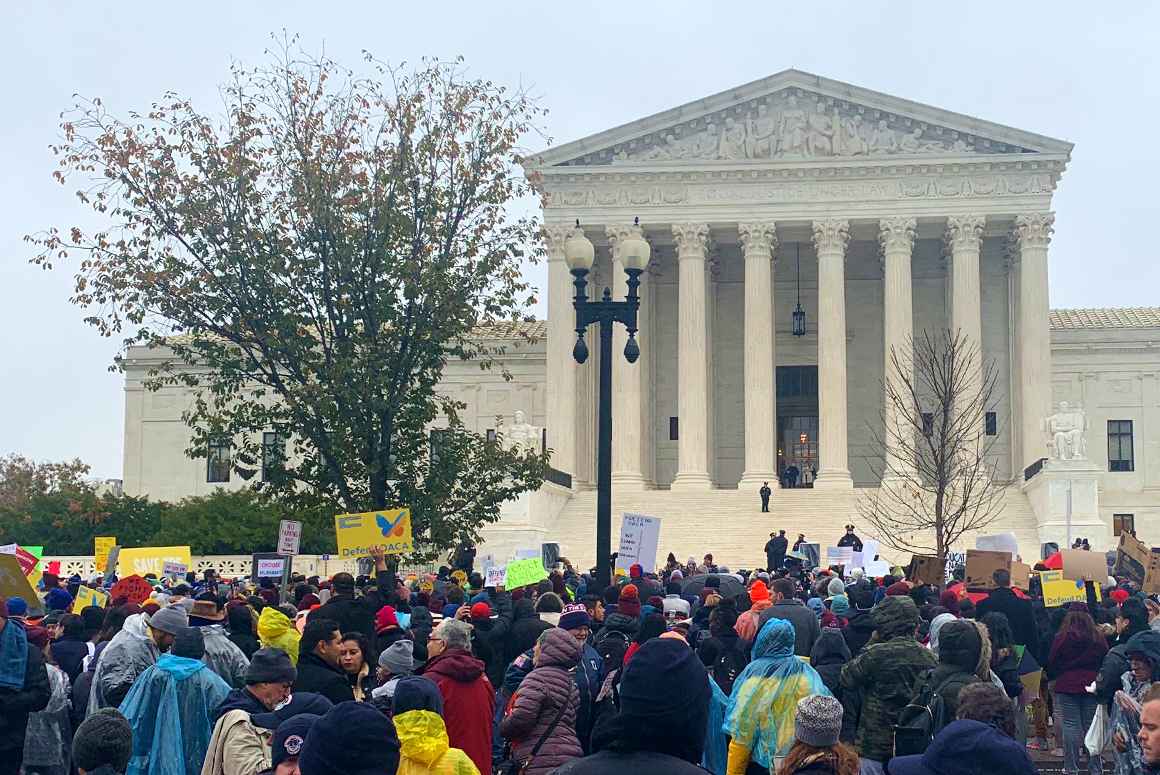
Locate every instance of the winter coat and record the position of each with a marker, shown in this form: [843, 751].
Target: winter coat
[746, 626]
[548, 688]
[70, 653]
[829, 654]
[245, 641]
[1018, 612]
[858, 630]
[424, 747]
[237, 746]
[1115, 664]
[1006, 669]
[724, 656]
[276, 631]
[805, 623]
[240, 699]
[1074, 663]
[468, 703]
[319, 676]
[129, 654]
[16, 704]
[356, 614]
[223, 656]
[886, 672]
[589, 679]
[610, 762]
[959, 647]
[492, 636]
[525, 628]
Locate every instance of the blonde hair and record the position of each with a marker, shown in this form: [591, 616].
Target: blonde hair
[841, 758]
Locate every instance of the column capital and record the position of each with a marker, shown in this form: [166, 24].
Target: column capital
[617, 233]
[896, 234]
[965, 232]
[758, 239]
[1033, 230]
[831, 235]
[554, 236]
[692, 239]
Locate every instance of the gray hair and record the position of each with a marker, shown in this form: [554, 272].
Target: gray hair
[454, 633]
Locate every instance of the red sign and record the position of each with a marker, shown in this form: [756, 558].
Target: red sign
[26, 559]
[134, 588]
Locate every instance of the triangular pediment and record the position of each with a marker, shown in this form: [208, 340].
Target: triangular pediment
[796, 116]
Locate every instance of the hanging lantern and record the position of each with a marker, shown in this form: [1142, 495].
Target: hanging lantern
[799, 314]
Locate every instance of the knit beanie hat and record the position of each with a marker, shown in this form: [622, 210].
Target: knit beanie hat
[37, 636]
[353, 738]
[635, 571]
[665, 687]
[836, 587]
[898, 589]
[271, 666]
[17, 606]
[574, 617]
[840, 605]
[290, 735]
[399, 657]
[188, 642]
[629, 601]
[818, 721]
[168, 620]
[104, 739]
[758, 591]
[480, 611]
[58, 599]
[416, 692]
[385, 618]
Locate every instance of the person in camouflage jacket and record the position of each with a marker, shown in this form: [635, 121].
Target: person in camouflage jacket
[885, 673]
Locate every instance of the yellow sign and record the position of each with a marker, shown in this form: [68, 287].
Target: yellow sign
[13, 582]
[357, 534]
[1057, 593]
[151, 559]
[88, 597]
[102, 545]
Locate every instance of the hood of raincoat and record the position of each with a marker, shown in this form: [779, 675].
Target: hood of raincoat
[936, 625]
[276, 630]
[1147, 645]
[959, 644]
[179, 667]
[895, 616]
[763, 706]
[422, 735]
[558, 648]
[830, 649]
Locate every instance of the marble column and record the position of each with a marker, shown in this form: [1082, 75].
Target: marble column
[562, 373]
[758, 244]
[628, 427]
[692, 359]
[896, 235]
[1032, 235]
[831, 236]
[964, 239]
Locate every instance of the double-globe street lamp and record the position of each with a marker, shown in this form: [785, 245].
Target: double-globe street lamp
[633, 253]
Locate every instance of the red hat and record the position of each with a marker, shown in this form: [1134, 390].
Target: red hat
[385, 618]
[1119, 596]
[629, 601]
[480, 611]
[758, 591]
[635, 570]
[898, 589]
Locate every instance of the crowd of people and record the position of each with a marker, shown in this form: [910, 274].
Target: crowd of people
[785, 669]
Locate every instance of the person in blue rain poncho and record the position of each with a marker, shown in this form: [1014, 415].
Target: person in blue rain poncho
[760, 716]
[171, 709]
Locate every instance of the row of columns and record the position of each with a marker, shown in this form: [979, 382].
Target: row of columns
[632, 387]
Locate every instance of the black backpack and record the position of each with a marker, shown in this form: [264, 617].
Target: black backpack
[611, 645]
[922, 719]
[729, 664]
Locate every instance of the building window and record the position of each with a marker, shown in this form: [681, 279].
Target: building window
[273, 454]
[1120, 446]
[491, 438]
[1123, 523]
[673, 429]
[928, 424]
[217, 464]
[992, 423]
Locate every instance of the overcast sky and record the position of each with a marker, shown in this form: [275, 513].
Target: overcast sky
[1081, 72]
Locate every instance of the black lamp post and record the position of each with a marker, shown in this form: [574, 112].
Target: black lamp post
[580, 255]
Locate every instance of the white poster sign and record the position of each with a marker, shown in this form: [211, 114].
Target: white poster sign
[875, 568]
[640, 535]
[857, 560]
[9, 548]
[174, 568]
[954, 560]
[839, 555]
[289, 536]
[870, 549]
[1001, 542]
[496, 576]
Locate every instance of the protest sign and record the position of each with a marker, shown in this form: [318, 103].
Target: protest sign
[270, 568]
[926, 569]
[134, 589]
[289, 536]
[111, 564]
[1050, 575]
[1057, 593]
[102, 545]
[151, 559]
[1138, 563]
[521, 573]
[870, 548]
[13, 582]
[174, 569]
[388, 530]
[981, 564]
[1078, 564]
[1001, 542]
[812, 553]
[527, 554]
[639, 536]
[839, 555]
[496, 576]
[550, 554]
[876, 568]
[1020, 575]
[27, 560]
[954, 560]
[857, 560]
[89, 597]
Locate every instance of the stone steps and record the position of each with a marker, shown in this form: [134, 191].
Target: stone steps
[729, 523]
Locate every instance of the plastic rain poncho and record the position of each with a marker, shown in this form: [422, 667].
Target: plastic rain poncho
[171, 710]
[275, 630]
[425, 748]
[47, 738]
[763, 705]
[129, 654]
[223, 656]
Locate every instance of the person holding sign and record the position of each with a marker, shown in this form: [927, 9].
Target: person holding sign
[357, 614]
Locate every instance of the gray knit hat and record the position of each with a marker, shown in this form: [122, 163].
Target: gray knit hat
[399, 657]
[169, 620]
[104, 739]
[188, 642]
[819, 721]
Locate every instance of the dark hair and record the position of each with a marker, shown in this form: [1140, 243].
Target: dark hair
[301, 591]
[240, 620]
[315, 632]
[610, 595]
[723, 617]
[475, 580]
[1135, 613]
[653, 626]
[1002, 577]
[1080, 625]
[256, 602]
[590, 602]
[999, 629]
[114, 620]
[784, 587]
[364, 644]
[967, 608]
[549, 603]
[839, 759]
[989, 704]
[72, 626]
[455, 595]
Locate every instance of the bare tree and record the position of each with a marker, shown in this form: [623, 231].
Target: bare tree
[937, 483]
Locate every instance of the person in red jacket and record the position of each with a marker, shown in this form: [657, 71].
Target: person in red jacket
[468, 697]
[1075, 659]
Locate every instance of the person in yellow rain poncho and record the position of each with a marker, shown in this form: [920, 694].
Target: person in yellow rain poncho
[425, 750]
[275, 630]
[760, 717]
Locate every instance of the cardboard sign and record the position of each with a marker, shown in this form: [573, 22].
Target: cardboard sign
[102, 545]
[926, 569]
[496, 576]
[289, 536]
[133, 588]
[1090, 566]
[521, 573]
[89, 597]
[13, 582]
[1139, 564]
[174, 569]
[389, 530]
[640, 535]
[1021, 575]
[1057, 593]
[151, 559]
[982, 564]
[111, 564]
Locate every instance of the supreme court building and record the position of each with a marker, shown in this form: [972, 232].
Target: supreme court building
[882, 218]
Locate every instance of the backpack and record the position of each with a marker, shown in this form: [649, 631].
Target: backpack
[921, 719]
[611, 645]
[729, 664]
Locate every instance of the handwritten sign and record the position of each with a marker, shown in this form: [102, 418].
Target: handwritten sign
[496, 576]
[89, 597]
[521, 573]
[639, 536]
[174, 569]
[839, 555]
[388, 530]
[102, 545]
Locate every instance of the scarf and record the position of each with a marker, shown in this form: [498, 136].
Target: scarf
[13, 656]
